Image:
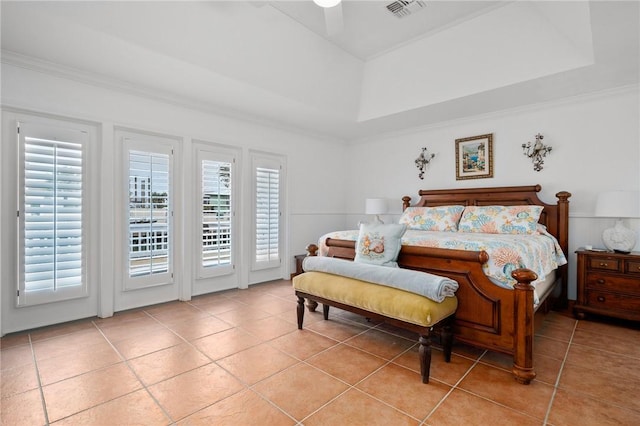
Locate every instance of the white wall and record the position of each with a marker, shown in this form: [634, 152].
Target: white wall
[596, 147]
[315, 201]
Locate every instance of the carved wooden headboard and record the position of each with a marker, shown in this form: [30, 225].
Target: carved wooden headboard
[554, 216]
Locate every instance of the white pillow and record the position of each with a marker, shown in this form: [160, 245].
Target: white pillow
[501, 219]
[379, 244]
[441, 218]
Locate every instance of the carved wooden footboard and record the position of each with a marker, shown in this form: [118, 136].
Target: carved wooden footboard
[486, 312]
[488, 316]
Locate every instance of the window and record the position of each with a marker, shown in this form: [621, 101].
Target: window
[51, 215]
[267, 212]
[216, 213]
[149, 212]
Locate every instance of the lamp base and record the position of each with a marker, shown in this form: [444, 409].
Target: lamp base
[376, 220]
[620, 239]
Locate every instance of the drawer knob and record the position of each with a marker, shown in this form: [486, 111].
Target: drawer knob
[604, 265]
[600, 298]
[600, 281]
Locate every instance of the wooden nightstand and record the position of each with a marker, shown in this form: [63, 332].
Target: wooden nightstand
[608, 284]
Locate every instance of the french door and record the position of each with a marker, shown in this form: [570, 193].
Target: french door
[147, 233]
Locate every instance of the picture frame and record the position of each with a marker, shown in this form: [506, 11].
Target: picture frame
[474, 157]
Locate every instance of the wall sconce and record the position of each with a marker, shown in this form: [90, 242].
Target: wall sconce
[422, 161]
[536, 152]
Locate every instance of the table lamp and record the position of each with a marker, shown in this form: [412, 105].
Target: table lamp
[619, 205]
[376, 206]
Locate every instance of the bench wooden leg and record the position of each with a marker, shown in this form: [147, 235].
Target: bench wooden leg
[424, 352]
[447, 342]
[312, 305]
[300, 311]
[325, 311]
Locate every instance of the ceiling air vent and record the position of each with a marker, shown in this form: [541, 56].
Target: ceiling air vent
[402, 8]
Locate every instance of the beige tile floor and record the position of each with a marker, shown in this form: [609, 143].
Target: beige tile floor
[237, 358]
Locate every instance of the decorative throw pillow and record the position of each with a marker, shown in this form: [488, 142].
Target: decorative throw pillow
[379, 244]
[441, 218]
[500, 219]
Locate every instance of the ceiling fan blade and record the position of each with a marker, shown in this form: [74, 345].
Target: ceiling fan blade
[333, 20]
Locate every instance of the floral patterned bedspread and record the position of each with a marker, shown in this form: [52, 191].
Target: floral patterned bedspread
[540, 252]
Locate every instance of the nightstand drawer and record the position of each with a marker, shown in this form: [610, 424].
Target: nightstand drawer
[604, 263]
[613, 301]
[603, 281]
[633, 267]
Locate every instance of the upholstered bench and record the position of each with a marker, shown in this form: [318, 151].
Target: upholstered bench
[398, 307]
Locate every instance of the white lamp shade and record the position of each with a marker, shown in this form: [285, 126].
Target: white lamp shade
[327, 3]
[618, 204]
[376, 206]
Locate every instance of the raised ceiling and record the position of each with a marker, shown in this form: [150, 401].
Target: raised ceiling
[274, 62]
[370, 29]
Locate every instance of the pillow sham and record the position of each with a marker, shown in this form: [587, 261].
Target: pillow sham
[500, 219]
[379, 244]
[441, 218]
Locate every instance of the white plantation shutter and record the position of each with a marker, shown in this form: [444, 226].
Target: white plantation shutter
[267, 216]
[51, 215]
[216, 214]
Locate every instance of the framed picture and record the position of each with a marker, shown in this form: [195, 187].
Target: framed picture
[474, 157]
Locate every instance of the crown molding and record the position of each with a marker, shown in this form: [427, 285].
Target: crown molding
[108, 83]
[599, 94]
[102, 81]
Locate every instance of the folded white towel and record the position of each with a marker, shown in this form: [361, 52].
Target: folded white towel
[432, 286]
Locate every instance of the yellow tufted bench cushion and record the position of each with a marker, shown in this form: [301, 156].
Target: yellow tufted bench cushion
[387, 301]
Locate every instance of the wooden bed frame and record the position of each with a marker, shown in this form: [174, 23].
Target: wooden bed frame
[488, 316]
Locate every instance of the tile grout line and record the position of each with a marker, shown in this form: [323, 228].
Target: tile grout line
[144, 386]
[353, 386]
[247, 387]
[454, 387]
[42, 399]
[212, 361]
[250, 387]
[557, 383]
[350, 386]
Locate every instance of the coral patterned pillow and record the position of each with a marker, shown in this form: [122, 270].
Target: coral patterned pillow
[379, 244]
[500, 219]
[442, 218]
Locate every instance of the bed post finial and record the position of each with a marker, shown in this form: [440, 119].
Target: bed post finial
[312, 250]
[406, 202]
